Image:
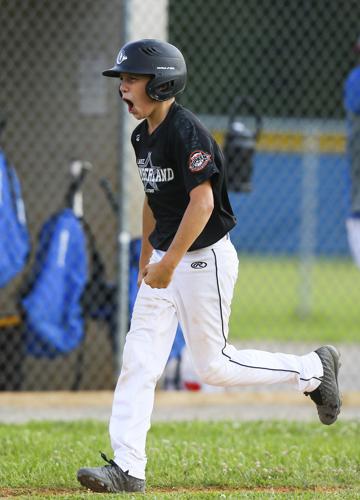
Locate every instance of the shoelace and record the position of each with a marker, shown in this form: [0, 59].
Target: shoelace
[110, 462]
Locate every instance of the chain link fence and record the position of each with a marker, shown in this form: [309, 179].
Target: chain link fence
[277, 71]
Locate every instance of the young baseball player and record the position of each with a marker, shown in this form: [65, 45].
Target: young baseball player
[188, 268]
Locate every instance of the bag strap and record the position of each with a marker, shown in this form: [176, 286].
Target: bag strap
[97, 266]
[10, 179]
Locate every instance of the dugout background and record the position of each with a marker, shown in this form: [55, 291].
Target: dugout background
[292, 57]
[58, 108]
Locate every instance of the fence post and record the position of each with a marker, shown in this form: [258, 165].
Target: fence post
[308, 224]
[122, 302]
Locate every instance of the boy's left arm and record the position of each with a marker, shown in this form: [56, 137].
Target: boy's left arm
[195, 218]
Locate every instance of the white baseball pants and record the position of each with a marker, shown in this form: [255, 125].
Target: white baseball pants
[199, 297]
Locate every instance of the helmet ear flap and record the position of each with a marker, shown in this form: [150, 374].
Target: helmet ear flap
[160, 91]
[152, 90]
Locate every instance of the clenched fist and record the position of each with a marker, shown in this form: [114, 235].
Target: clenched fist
[157, 275]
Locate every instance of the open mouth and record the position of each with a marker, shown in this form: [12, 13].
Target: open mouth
[130, 104]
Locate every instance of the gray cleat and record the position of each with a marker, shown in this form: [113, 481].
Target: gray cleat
[327, 396]
[109, 479]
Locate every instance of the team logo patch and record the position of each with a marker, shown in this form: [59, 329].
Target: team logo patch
[198, 160]
[121, 57]
[198, 265]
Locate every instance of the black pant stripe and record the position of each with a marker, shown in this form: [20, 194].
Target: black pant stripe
[225, 341]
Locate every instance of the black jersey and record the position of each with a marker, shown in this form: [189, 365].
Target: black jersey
[178, 156]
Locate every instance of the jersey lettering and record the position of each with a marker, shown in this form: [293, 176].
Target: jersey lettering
[151, 174]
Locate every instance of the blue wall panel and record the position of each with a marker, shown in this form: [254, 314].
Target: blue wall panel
[269, 218]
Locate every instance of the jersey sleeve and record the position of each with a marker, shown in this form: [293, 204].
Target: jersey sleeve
[194, 153]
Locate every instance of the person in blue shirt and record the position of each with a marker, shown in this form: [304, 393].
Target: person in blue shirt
[352, 108]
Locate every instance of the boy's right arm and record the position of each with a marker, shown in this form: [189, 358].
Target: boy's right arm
[148, 225]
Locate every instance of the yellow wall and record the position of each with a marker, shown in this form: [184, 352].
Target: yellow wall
[293, 142]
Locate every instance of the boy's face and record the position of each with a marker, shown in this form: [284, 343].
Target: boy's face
[132, 91]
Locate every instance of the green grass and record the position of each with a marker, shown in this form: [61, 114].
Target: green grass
[267, 303]
[190, 460]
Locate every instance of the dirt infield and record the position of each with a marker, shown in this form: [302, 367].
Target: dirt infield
[69, 492]
[21, 407]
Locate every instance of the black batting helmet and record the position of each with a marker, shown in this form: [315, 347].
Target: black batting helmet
[163, 61]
